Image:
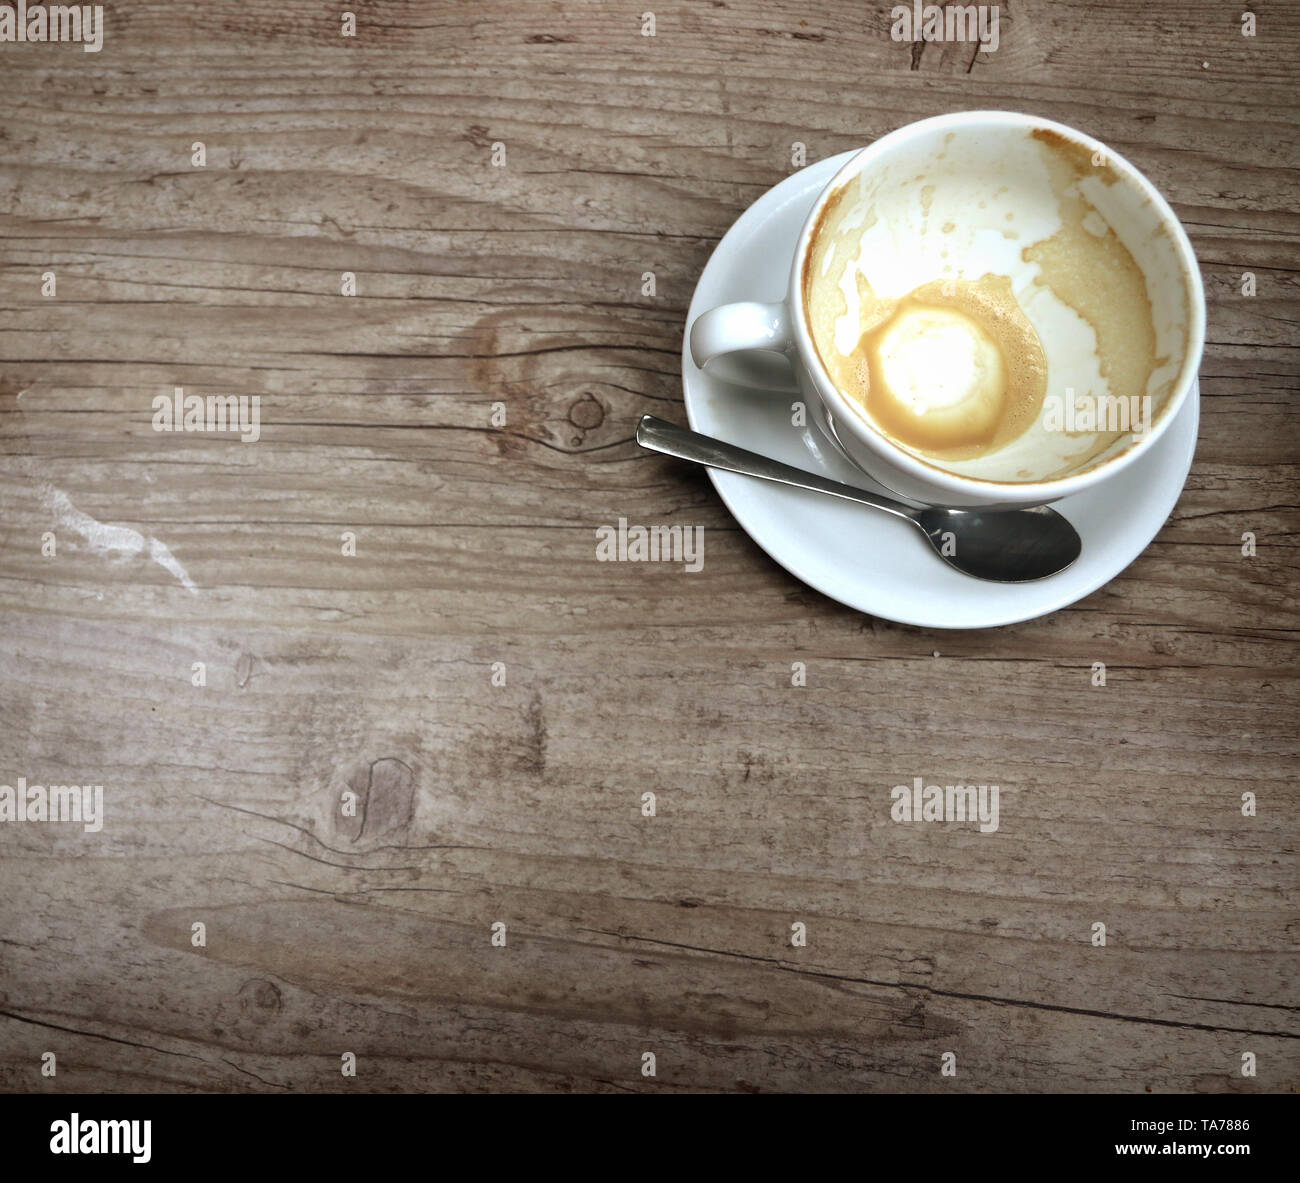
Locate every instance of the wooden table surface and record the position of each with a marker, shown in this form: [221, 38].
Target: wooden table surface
[375, 677]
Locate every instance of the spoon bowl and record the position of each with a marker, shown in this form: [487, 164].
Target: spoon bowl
[1004, 546]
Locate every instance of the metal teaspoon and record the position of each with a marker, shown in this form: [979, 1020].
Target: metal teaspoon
[1003, 545]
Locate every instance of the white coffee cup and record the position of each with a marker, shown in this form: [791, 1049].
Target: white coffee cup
[963, 195]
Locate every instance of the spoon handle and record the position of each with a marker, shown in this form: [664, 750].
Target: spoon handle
[658, 435]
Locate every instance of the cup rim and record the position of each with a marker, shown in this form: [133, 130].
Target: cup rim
[872, 437]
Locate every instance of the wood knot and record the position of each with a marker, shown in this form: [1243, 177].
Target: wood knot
[385, 800]
[259, 999]
[587, 413]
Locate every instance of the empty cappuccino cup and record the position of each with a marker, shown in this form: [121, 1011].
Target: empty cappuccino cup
[985, 308]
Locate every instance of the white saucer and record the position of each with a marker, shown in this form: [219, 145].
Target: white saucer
[868, 560]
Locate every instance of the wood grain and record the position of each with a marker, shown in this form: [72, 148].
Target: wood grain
[475, 545]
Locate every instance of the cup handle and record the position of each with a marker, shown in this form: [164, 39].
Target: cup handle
[749, 343]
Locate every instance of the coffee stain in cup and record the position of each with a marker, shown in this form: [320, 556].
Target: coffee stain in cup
[1084, 264]
[1089, 269]
[953, 368]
